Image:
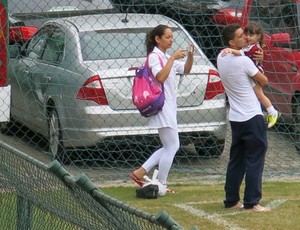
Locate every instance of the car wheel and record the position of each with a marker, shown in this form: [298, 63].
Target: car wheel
[296, 123]
[55, 145]
[209, 148]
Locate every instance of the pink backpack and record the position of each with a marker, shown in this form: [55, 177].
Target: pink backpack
[147, 93]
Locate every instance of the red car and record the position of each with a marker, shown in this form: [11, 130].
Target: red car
[18, 31]
[21, 34]
[280, 20]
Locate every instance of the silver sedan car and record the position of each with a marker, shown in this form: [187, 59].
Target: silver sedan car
[72, 83]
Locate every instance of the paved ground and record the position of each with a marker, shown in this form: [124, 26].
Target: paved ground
[282, 163]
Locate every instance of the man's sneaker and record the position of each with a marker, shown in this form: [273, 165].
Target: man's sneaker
[272, 119]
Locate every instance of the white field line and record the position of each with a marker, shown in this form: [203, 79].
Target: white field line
[217, 218]
[276, 203]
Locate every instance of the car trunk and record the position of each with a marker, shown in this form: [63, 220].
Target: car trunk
[118, 87]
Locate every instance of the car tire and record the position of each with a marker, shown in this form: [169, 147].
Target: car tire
[296, 123]
[8, 128]
[209, 148]
[55, 145]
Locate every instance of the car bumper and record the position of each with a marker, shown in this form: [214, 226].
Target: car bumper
[102, 123]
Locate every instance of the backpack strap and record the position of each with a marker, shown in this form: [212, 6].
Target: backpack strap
[159, 57]
[161, 63]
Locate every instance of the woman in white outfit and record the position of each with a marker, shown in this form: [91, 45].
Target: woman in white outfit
[158, 41]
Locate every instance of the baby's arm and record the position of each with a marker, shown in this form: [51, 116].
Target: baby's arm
[232, 51]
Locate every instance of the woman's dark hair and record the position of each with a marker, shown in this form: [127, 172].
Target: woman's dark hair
[150, 36]
[229, 33]
[255, 27]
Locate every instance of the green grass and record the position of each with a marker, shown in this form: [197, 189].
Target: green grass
[201, 205]
[38, 218]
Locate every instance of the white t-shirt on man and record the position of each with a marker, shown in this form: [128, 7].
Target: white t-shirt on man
[236, 73]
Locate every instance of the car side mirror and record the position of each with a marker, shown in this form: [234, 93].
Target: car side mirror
[280, 39]
[14, 50]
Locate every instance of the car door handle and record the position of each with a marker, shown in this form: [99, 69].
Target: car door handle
[48, 78]
[295, 68]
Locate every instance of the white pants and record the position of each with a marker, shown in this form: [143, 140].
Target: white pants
[164, 156]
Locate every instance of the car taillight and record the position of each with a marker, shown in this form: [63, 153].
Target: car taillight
[92, 90]
[21, 33]
[228, 16]
[214, 85]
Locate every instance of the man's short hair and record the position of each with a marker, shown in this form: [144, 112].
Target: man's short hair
[229, 33]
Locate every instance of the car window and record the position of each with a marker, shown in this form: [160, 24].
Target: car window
[37, 6]
[36, 46]
[112, 44]
[121, 44]
[277, 17]
[54, 47]
[181, 41]
[37, 43]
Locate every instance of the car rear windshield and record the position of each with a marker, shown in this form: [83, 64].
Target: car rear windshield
[122, 44]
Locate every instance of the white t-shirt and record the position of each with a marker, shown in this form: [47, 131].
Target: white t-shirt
[168, 116]
[236, 73]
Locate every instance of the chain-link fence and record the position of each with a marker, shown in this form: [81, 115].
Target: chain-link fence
[37, 196]
[71, 83]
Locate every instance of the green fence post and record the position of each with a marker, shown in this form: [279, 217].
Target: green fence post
[167, 221]
[24, 213]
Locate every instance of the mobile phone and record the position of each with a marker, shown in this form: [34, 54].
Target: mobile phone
[189, 48]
